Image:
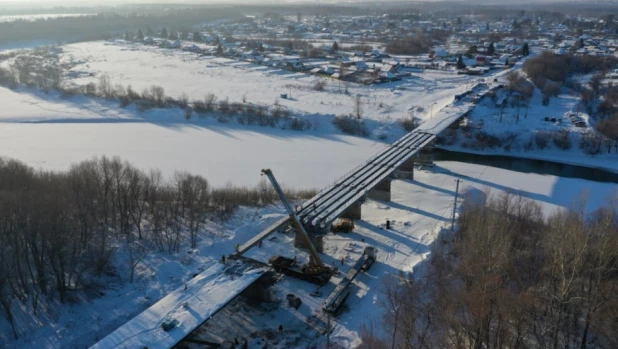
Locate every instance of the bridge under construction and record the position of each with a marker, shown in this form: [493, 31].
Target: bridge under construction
[210, 291]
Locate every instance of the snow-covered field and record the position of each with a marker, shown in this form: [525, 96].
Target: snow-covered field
[184, 72]
[50, 133]
[219, 153]
[419, 210]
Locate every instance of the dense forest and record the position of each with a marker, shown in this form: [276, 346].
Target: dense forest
[509, 278]
[59, 230]
[99, 25]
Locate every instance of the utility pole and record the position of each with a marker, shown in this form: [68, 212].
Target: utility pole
[518, 101]
[455, 204]
[328, 333]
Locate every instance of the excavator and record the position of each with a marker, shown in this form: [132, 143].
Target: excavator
[315, 271]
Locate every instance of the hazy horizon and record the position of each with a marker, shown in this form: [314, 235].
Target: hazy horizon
[26, 3]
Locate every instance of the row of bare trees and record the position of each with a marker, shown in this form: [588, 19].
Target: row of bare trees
[419, 42]
[59, 231]
[32, 71]
[509, 278]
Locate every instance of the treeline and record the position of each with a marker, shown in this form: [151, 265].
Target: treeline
[35, 71]
[508, 278]
[418, 44]
[59, 230]
[557, 68]
[589, 141]
[607, 112]
[97, 26]
[550, 71]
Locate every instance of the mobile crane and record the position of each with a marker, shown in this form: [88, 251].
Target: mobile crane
[315, 271]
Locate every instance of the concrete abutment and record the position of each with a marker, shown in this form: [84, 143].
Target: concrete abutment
[353, 212]
[382, 191]
[425, 156]
[406, 170]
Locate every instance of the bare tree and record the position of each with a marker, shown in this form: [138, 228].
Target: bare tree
[183, 100]
[137, 252]
[550, 89]
[209, 101]
[139, 189]
[194, 197]
[157, 94]
[514, 81]
[105, 86]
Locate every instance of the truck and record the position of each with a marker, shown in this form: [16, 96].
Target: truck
[337, 298]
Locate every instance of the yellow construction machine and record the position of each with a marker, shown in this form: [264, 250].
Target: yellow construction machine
[342, 225]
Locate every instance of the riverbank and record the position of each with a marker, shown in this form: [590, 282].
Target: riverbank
[603, 162]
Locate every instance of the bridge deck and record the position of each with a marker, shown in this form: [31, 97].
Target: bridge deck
[321, 210]
[254, 240]
[205, 295]
[330, 203]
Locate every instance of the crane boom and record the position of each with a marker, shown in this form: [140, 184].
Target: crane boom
[315, 257]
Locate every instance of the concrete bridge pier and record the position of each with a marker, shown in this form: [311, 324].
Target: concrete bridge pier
[406, 171]
[425, 156]
[382, 191]
[316, 240]
[353, 212]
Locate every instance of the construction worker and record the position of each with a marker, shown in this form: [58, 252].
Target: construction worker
[388, 224]
[280, 328]
[342, 260]
[237, 247]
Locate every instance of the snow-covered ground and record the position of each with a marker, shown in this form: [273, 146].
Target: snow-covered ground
[184, 72]
[523, 123]
[419, 210]
[51, 134]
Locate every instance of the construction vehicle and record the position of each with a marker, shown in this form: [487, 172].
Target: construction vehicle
[337, 298]
[342, 225]
[315, 271]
